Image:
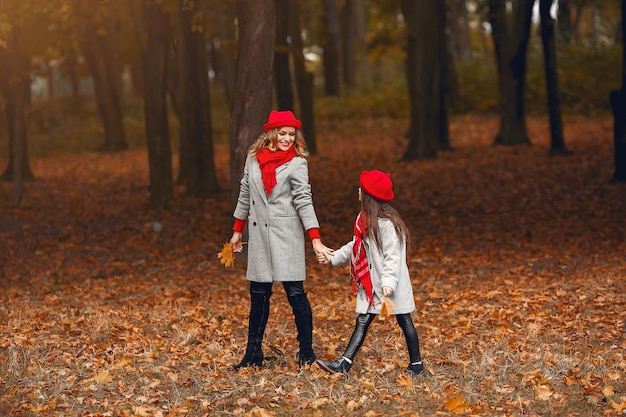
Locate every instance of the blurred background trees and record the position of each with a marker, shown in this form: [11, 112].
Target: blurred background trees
[78, 74]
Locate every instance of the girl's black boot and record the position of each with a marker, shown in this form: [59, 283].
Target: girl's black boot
[344, 363]
[416, 367]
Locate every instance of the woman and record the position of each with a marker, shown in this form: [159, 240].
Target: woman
[275, 200]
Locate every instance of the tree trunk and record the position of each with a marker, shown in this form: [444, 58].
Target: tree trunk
[155, 64]
[15, 87]
[565, 25]
[196, 130]
[425, 21]
[282, 73]
[618, 104]
[224, 50]
[557, 142]
[511, 30]
[331, 45]
[252, 95]
[304, 80]
[349, 51]
[99, 53]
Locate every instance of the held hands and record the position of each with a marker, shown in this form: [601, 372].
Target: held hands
[322, 252]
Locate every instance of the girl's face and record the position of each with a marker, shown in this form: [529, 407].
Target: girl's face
[286, 138]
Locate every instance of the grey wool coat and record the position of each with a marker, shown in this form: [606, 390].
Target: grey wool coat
[276, 244]
[388, 268]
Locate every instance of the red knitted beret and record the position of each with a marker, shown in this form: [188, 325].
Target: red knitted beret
[377, 184]
[281, 119]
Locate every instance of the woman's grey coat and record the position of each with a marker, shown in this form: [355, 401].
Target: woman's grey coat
[388, 268]
[276, 250]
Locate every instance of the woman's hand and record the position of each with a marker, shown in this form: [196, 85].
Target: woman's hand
[322, 252]
[236, 242]
[387, 291]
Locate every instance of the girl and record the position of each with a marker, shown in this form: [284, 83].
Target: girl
[275, 201]
[378, 267]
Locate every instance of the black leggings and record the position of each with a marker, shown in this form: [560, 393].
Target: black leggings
[292, 288]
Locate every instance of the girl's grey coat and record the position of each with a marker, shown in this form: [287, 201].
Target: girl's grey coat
[388, 268]
[276, 250]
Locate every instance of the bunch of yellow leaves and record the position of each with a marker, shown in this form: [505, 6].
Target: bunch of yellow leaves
[226, 256]
[385, 310]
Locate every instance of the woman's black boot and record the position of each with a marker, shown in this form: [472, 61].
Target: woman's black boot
[304, 323]
[416, 367]
[259, 313]
[344, 363]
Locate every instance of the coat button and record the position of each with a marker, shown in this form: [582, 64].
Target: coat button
[253, 223]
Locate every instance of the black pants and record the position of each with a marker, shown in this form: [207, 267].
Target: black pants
[260, 293]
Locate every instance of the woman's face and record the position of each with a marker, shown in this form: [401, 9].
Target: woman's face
[286, 138]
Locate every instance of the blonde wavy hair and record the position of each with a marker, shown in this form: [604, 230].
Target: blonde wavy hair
[269, 139]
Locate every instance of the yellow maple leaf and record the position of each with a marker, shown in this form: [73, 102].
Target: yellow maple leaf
[103, 377]
[226, 256]
[385, 310]
[456, 405]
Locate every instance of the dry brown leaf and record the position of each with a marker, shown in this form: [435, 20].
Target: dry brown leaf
[619, 407]
[406, 381]
[385, 310]
[226, 256]
[456, 405]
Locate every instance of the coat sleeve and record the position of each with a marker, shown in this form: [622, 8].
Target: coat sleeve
[243, 201]
[301, 193]
[391, 250]
[342, 255]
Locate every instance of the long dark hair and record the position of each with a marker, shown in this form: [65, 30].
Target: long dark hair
[372, 209]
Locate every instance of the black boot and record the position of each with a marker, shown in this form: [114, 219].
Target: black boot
[416, 367]
[304, 323]
[259, 313]
[344, 364]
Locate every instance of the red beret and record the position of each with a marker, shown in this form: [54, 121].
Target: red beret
[377, 184]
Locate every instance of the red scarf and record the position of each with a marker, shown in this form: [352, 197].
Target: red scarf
[268, 161]
[359, 268]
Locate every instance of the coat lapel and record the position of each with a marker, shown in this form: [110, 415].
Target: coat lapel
[257, 180]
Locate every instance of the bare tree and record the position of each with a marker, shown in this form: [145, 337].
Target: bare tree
[95, 23]
[557, 141]
[197, 165]
[618, 104]
[425, 21]
[304, 79]
[332, 49]
[252, 95]
[15, 87]
[155, 65]
[511, 29]
[282, 72]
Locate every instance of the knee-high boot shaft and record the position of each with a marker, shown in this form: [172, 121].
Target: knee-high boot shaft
[257, 321]
[363, 322]
[304, 323]
[410, 335]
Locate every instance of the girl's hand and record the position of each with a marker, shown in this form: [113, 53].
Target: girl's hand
[236, 242]
[322, 252]
[387, 291]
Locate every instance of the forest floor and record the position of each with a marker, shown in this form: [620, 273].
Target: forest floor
[518, 268]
